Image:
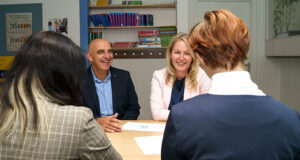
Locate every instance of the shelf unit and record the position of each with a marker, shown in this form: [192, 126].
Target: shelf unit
[130, 27]
[132, 53]
[134, 6]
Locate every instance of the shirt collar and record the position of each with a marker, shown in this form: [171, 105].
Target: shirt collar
[96, 80]
[234, 83]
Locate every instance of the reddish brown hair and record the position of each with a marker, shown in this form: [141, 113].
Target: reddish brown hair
[221, 39]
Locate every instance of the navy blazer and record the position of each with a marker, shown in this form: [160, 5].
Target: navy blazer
[231, 127]
[124, 97]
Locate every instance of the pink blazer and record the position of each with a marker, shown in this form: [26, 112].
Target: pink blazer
[161, 93]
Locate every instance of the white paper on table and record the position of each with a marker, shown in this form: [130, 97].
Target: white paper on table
[149, 145]
[148, 127]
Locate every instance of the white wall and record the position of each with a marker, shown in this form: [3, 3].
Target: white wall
[141, 71]
[268, 70]
[290, 82]
[57, 9]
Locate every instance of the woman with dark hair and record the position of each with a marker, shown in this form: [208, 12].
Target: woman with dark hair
[235, 120]
[38, 119]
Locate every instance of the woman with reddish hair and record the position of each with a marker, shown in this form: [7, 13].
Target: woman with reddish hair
[235, 120]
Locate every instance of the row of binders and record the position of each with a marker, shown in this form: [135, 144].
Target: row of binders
[94, 35]
[121, 19]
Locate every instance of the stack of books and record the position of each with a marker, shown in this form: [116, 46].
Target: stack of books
[94, 35]
[149, 38]
[123, 44]
[166, 35]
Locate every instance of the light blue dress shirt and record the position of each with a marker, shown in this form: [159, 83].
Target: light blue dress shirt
[104, 94]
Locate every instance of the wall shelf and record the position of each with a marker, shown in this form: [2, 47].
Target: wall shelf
[130, 27]
[134, 6]
[135, 53]
[283, 47]
[164, 16]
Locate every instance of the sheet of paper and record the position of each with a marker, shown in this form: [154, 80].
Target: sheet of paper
[149, 145]
[148, 127]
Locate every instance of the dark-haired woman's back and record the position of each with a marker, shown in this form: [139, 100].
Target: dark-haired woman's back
[71, 134]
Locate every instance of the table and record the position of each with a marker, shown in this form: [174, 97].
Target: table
[125, 144]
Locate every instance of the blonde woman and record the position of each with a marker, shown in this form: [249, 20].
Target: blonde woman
[40, 117]
[180, 80]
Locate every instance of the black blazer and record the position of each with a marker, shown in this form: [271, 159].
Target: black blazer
[125, 100]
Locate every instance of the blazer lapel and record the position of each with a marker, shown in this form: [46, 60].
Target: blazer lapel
[92, 90]
[114, 83]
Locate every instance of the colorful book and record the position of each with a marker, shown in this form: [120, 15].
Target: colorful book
[131, 2]
[149, 38]
[123, 44]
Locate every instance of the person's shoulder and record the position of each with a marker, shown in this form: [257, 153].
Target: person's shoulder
[190, 103]
[77, 112]
[89, 71]
[118, 70]
[160, 72]
[201, 72]
[89, 68]
[190, 111]
[281, 108]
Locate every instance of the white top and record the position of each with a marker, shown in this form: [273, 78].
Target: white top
[234, 83]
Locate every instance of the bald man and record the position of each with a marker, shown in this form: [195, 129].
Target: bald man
[109, 92]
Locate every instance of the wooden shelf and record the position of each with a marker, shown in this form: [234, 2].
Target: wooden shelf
[134, 6]
[142, 52]
[283, 47]
[129, 27]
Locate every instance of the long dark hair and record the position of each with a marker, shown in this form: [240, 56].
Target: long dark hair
[49, 64]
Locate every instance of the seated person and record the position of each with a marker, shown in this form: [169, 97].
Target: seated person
[108, 91]
[235, 120]
[180, 80]
[40, 117]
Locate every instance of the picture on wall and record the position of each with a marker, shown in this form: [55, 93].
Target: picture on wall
[18, 29]
[59, 25]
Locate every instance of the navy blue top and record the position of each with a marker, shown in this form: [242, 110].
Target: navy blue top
[177, 92]
[232, 127]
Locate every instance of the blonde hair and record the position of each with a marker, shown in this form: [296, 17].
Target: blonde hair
[22, 110]
[192, 73]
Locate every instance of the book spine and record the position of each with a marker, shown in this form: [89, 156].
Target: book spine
[150, 39]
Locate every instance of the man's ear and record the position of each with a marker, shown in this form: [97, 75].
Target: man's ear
[89, 56]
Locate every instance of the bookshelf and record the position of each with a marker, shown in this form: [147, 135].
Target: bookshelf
[130, 27]
[162, 14]
[134, 6]
[135, 53]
